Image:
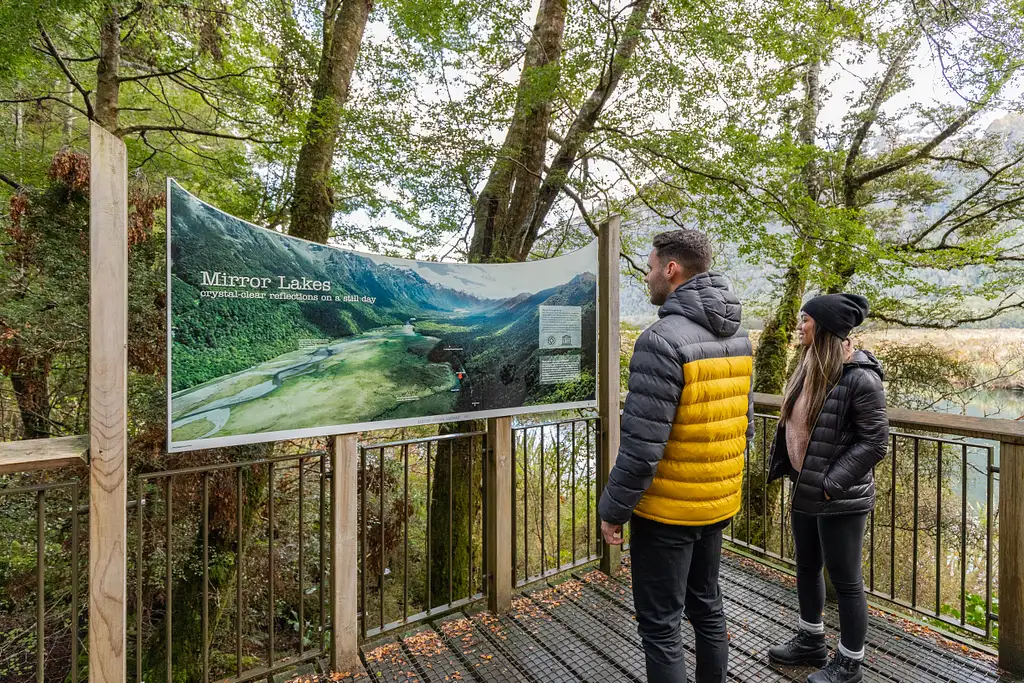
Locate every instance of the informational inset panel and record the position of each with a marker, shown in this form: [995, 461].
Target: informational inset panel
[561, 327]
[559, 369]
[272, 337]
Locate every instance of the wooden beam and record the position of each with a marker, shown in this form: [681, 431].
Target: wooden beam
[1011, 558]
[43, 454]
[499, 514]
[608, 388]
[108, 373]
[1005, 431]
[344, 553]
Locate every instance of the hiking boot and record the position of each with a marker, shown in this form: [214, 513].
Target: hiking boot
[803, 648]
[841, 669]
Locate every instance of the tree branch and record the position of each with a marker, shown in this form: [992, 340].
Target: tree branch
[146, 128]
[569, 192]
[943, 135]
[67, 72]
[13, 183]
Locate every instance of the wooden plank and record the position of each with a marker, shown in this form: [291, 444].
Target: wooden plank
[344, 553]
[1007, 431]
[1011, 558]
[43, 454]
[608, 367]
[499, 514]
[108, 437]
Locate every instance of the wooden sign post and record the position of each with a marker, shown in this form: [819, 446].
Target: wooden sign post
[108, 397]
[608, 368]
[344, 553]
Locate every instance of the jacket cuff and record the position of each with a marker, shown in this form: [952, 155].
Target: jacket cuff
[828, 487]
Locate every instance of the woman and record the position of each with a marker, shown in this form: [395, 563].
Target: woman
[832, 431]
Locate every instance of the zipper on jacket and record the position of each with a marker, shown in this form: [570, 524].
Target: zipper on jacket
[810, 438]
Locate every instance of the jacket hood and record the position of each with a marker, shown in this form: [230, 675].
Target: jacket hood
[706, 300]
[865, 359]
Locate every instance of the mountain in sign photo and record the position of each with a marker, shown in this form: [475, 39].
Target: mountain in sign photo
[274, 335]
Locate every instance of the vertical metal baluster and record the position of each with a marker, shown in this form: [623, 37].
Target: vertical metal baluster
[574, 461]
[451, 545]
[766, 536]
[590, 467]
[892, 530]
[270, 563]
[380, 584]
[363, 528]
[239, 574]
[206, 577]
[323, 552]
[989, 502]
[963, 538]
[871, 551]
[471, 516]
[938, 538]
[917, 451]
[302, 567]
[138, 582]
[74, 582]
[430, 597]
[515, 511]
[526, 504]
[405, 533]
[543, 513]
[168, 618]
[782, 514]
[558, 495]
[746, 481]
[41, 585]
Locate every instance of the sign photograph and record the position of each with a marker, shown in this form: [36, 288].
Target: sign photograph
[273, 337]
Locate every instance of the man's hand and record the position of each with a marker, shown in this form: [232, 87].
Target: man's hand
[612, 533]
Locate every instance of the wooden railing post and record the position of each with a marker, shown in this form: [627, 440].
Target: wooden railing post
[108, 373]
[608, 368]
[499, 514]
[1011, 557]
[344, 552]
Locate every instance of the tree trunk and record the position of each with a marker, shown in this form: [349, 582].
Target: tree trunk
[583, 125]
[30, 377]
[450, 489]
[108, 82]
[511, 192]
[313, 203]
[770, 361]
[773, 348]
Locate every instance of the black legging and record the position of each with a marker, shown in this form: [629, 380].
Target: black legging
[835, 541]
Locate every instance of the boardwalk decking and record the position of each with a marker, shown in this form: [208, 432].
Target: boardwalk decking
[583, 629]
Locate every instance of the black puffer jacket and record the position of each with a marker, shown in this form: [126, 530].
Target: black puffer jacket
[849, 438]
[689, 412]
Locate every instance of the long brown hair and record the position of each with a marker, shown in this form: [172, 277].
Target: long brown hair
[820, 367]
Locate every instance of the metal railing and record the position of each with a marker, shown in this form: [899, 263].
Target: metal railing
[28, 650]
[421, 509]
[241, 517]
[554, 470]
[932, 538]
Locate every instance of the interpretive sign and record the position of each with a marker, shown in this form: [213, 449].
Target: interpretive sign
[273, 337]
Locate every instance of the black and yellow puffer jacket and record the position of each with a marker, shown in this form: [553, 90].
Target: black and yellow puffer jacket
[689, 412]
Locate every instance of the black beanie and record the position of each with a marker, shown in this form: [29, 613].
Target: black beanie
[838, 313]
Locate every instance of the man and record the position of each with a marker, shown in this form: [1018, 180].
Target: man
[679, 471]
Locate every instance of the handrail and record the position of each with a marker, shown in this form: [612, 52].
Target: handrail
[43, 454]
[1005, 431]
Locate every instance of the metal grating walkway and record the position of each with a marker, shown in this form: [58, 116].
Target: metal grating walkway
[583, 629]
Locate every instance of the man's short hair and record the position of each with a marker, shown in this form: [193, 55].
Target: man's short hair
[689, 248]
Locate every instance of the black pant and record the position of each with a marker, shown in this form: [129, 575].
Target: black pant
[676, 568]
[835, 541]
